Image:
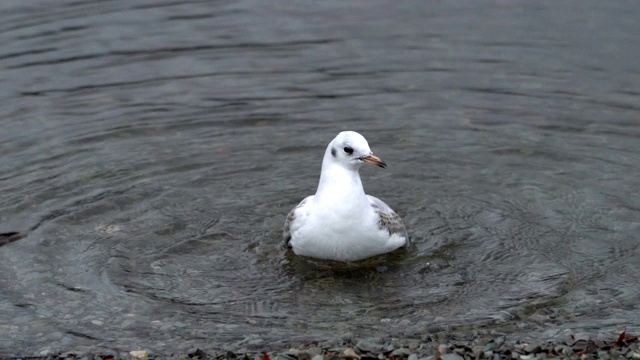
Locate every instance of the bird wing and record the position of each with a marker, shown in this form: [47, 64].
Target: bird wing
[388, 219]
[290, 220]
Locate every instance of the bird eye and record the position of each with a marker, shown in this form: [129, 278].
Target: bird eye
[348, 150]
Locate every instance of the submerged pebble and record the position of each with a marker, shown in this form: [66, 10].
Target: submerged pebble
[369, 346]
[441, 347]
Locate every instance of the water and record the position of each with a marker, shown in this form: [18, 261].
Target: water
[152, 149]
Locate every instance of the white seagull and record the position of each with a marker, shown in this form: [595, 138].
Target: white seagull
[340, 222]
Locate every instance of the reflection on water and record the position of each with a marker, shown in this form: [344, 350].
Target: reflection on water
[151, 150]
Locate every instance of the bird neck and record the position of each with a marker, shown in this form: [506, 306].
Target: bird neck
[337, 182]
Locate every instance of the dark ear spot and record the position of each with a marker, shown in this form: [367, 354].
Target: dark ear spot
[333, 152]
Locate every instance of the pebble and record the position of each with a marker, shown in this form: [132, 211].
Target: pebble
[563, 349]
[349, 353]
[255, 343]
[469, 345]
[369, 346]
[401, 352]
[139, 354]
[532, 348]
[581, 337]
[451, 357]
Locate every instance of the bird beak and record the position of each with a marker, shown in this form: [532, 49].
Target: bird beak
[374, 160]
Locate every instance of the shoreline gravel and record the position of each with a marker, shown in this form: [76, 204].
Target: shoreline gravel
[471, 345]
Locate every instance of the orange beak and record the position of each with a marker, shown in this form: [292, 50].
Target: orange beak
[374, 160]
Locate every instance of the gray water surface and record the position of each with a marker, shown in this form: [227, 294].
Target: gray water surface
[150, 151]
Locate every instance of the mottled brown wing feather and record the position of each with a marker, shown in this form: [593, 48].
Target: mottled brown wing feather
[286, 231]
[388, 219]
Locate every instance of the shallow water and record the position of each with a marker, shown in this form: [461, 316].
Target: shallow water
[152, 149]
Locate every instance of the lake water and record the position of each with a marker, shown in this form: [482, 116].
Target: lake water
[150, 151]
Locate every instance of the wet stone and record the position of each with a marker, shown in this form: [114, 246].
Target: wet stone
[329, 344]
[532, 348]
[491, 346]
[317, 357]
[482, 341]
[581, 337]
[425, 350]
[255, 344]
[347, 337]
[451, 357]
[369, 346]
[460, 351]
[413, 357]
[401, 352]
[45, 352]
[313, 351]
[563, 350]
[349, 353]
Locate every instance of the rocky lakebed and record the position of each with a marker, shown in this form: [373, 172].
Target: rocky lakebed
[476, 344]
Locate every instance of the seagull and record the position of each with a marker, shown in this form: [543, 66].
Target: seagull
[340, 222]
